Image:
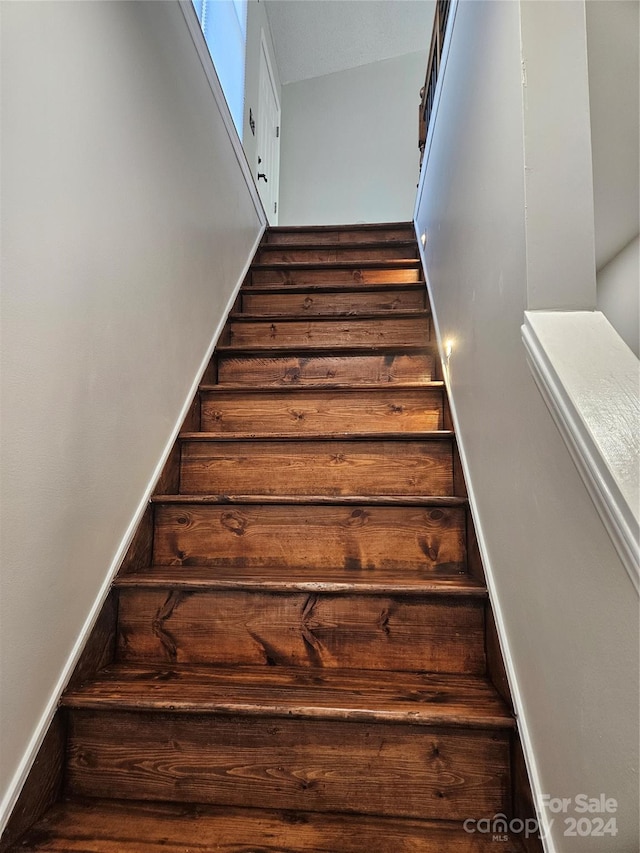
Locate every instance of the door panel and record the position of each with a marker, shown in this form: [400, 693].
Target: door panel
[268, 138]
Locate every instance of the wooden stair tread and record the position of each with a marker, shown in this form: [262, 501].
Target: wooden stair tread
[116, 826]
[422, 699]
[353, 226]
[329, 287]
[353, 244]
[328, 318]
[327, 349]
[277, 579]
[423, 435]
[317, 500]
[396, 263]
[434, 384]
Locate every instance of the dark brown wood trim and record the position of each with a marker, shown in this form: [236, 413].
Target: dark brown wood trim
[495, 665]
[139, 553]
[43, 785]
[523, 807]
[100, 648]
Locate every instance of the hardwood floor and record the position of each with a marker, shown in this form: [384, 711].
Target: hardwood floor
[298, 653]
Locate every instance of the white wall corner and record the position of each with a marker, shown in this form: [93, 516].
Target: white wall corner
[589, 380]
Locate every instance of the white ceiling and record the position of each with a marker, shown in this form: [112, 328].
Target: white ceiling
[316, 37]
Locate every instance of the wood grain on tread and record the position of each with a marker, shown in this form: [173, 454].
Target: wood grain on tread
[316, 436]
[329, 320]
[315, 630]
[314, 500]
[349, 411]
[347, 303]
[304, 579]
[108, 826]
[317, 765]
[424, 539]
[420, 699]
[340, 234]
[312, 252]
[325, 467]
[270, 274]
[331, 285]
[323, 369]
[381, 387]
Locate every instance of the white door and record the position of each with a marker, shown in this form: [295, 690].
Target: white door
[268, 138]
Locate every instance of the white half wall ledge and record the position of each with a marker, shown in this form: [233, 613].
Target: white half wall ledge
[590, 381]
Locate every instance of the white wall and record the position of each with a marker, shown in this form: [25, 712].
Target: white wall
[567, 607]
[350, 144]
[126, 226]
[613, 33]
[619, 293]
[559, 205]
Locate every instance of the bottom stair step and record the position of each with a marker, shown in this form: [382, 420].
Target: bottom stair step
[417, 746]
[111, 826]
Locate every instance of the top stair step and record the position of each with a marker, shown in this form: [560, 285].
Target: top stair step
[388, 232]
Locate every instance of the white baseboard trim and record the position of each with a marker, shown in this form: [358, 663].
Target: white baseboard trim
[594, 462]
[518, 704]
[15, 786]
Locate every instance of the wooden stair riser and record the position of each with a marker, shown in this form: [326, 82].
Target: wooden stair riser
[315, 765]
[330, 302]
[349, 412]
[385, 331]
[409, 539]
[355, 276]
[357, 370]
[282, 236]
[317, 467]
[311, 253]
[435, 634]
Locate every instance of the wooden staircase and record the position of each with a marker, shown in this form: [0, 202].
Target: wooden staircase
[296, 655]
